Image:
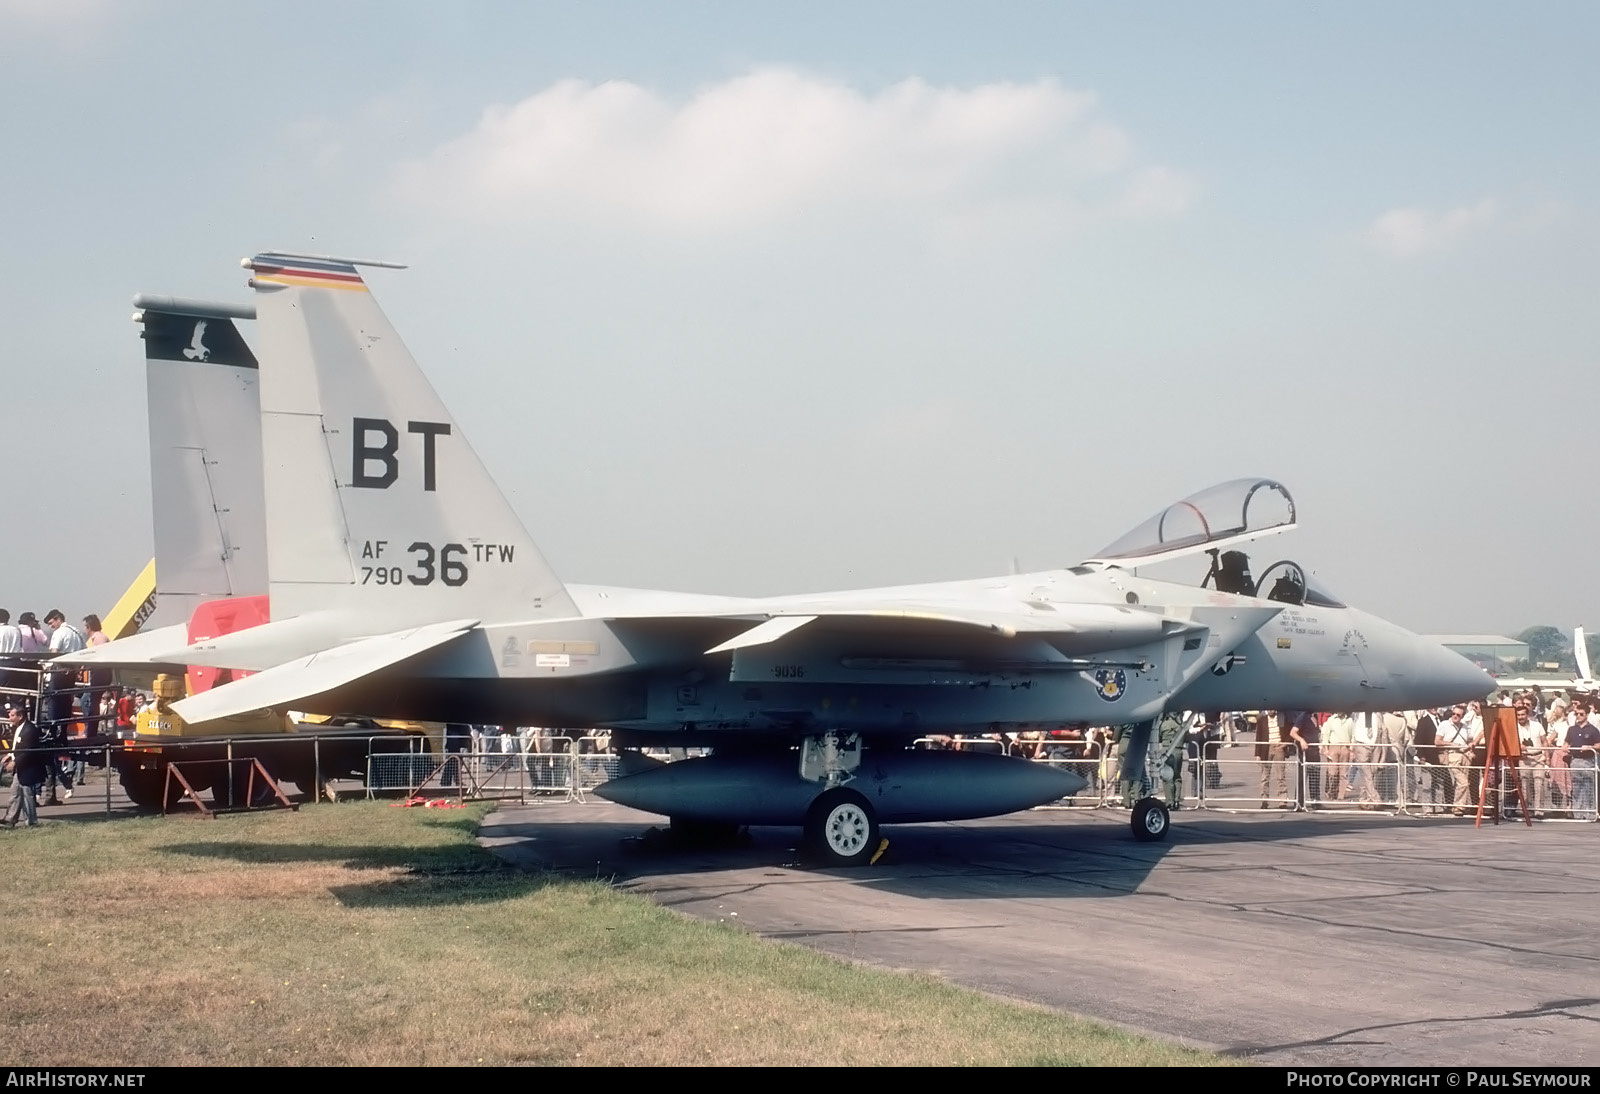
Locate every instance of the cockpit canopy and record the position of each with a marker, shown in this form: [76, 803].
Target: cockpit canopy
[1289, 583]
[1213, 520]
[1231, 512]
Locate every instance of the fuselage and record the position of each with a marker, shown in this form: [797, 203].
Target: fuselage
[636, 660]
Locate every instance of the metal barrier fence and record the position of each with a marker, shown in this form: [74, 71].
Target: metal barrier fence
[995, 743]
[503, 766]
[59, 701]
[313, 763]
[1096, 786]
[1557, 784]
[1367, 782]
[1232, 776]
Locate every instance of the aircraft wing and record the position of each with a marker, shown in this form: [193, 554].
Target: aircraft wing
[252, 650]
[955, 642]
[320, 672]
[1080, 628]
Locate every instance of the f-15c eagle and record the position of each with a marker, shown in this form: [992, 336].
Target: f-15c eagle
[402, 584]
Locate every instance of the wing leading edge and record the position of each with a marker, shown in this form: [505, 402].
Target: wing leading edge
[1085, 627]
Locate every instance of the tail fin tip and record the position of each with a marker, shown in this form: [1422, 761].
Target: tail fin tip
[275, 258]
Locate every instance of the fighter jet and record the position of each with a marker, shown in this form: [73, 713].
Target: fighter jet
[403, 584]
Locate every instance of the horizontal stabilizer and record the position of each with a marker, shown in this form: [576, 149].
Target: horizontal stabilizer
[165, 646]
[320, 672]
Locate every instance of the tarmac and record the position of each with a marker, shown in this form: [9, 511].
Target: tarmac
[1337, 938]
[1283, 938]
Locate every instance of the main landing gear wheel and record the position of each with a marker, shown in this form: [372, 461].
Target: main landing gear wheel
[843, 828]
[144, 787]
[1150, 820]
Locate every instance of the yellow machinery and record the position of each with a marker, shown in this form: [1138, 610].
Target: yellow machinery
[433, 731]
[307, 750]
[130, 612]
[159, 720]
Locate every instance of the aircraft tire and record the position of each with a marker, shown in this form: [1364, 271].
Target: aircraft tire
[145, 788]
[1151, 821]
[842, 828]
[226, 796]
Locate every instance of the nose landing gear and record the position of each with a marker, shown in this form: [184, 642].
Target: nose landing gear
[1151, 820]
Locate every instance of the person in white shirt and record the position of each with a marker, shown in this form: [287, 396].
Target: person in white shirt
[525, 738]
[64, 637]
[1555, 732]
[1335, 755]
[1364, 755]
[1535, 757]
[1455, 742]
[1394, 738]
[10, 646]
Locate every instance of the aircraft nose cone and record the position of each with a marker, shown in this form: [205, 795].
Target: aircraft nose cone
[1441, 677]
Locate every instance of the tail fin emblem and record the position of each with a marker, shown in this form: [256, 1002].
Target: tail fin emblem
[197, 350]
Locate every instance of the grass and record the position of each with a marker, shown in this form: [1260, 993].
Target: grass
[362, 934]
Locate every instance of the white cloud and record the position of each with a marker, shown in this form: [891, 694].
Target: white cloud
[776, 143]
[1406, 233]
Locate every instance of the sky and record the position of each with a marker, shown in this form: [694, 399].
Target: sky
[759, 298]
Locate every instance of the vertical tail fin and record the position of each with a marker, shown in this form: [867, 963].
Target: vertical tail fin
[205, 454]
[375, 501]
[1580, 650]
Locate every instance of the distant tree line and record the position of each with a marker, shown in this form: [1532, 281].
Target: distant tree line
[1549, 645]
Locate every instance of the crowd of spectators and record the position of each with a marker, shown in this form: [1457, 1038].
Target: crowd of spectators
[1317, 760]
[47, 709]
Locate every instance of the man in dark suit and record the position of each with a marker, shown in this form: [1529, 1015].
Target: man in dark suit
[26, 762]
[1433, 781]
